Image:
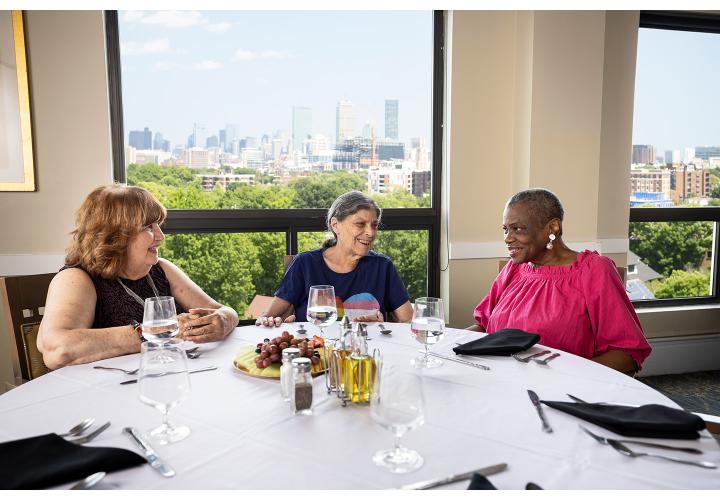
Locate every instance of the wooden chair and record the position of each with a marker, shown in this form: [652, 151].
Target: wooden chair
[261, 302]
[22, 299]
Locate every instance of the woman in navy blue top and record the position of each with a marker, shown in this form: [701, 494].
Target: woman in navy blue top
[367, 285]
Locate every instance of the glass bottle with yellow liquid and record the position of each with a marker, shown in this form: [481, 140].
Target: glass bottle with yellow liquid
[335, 355]
[359, 370]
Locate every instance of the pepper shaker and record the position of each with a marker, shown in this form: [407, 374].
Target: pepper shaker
[302, 391]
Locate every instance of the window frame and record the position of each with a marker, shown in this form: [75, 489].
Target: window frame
[293, 221]
[702, 23]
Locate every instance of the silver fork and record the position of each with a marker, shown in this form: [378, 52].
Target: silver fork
[91, 436]
[527, 359]
[126, 372]
[545, 361]
[624, 450]
[79, 428]
[604, 440]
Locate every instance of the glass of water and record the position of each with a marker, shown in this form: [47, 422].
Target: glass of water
[160, 319]
[163, 382]
[398, 404]
[321, 310]
[427, 326]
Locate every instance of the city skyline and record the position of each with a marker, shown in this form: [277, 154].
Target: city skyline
[252, 68]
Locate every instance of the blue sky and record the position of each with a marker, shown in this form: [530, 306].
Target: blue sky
[677, 102]
[250, 68]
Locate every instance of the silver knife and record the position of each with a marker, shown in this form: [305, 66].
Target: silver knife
[458, 360]
[536, 403]
[164, 469]
[426, 485]
[206, 369]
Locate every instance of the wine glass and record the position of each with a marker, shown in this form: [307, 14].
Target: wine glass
[427, 326]
[163, 382]
[322, 310]
[397, 404]
[159, 319]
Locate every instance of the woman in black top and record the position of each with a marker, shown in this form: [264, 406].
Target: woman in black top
[95, 302]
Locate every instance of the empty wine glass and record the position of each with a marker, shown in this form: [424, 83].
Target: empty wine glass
[163, 382]
[427, 326]
[159, 319]
[322, 310]
[398, 404]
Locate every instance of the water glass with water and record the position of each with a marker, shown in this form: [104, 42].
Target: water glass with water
[321, 310]
[428, 327]
[160, 319]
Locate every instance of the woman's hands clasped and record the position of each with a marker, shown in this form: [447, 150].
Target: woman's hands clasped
[202, 325]
[276, 321]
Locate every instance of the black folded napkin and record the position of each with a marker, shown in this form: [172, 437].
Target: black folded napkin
[43, 461]
[652, 421]
[480, 482]
[501, 343]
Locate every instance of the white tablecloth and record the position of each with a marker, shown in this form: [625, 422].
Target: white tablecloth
[243, 433]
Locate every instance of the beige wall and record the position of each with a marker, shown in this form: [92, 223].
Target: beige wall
[68, 89]
[535, 99]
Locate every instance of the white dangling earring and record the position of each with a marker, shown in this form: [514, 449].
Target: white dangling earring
[549, 246]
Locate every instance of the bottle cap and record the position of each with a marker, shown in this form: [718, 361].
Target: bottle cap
[290, 353]
[302, 364]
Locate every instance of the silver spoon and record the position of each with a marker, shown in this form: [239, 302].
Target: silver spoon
[384, 330]
[79, 428]
[89, 481]
[624, 450]
[127, 372]
[302, 330]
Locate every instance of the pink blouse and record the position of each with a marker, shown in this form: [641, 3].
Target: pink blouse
[581, 308]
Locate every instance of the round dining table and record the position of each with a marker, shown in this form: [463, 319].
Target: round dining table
[244, 436]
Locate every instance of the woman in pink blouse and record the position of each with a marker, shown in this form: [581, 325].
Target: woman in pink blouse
[575, 301]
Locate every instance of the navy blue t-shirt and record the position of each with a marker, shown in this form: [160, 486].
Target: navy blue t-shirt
[373, 285]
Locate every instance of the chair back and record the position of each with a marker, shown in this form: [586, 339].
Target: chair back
[22, 300]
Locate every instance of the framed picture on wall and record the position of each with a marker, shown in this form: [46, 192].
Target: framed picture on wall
[17, 171]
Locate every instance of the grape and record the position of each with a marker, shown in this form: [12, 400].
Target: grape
[267, 362]
[274, 349]
[315, 360]
[275, 357]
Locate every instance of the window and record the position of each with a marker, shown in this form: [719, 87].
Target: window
[675, 165]
[247, 125]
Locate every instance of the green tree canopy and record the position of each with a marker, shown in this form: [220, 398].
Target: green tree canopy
[683, 284]
[669, 246]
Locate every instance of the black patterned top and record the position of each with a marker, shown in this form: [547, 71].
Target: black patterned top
[115, 307]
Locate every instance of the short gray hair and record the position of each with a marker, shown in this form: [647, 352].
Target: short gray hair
[343, 207]
[545, 204]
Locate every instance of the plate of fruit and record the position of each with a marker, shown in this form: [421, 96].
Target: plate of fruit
[264, 359]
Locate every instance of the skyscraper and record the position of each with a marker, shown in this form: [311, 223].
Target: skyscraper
[391, 118]
[199, 135]
[344, 121]
[301, 126]
[643, 153]
[140, 139]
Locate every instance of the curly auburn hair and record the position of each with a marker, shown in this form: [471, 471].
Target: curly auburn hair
[106, 221]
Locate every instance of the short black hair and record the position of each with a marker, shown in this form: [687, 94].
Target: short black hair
[545, 204]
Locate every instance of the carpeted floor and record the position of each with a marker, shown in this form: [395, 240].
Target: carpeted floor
[699, 391]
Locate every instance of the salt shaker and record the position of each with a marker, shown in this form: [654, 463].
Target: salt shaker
[286, 381]
[301, 395]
